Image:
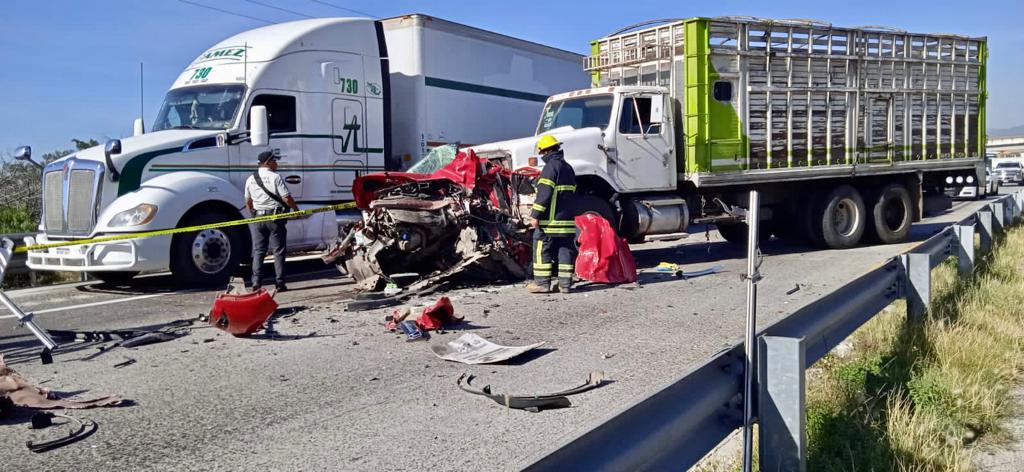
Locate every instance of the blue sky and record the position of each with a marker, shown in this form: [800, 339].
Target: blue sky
[70, 67]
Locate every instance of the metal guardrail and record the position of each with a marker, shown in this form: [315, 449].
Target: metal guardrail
[681, 423]
[18, 261]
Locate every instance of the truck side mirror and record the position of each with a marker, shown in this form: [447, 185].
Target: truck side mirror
[138, 127]
[24, 153]
[657, 110]
[113, 147]
[258, 130]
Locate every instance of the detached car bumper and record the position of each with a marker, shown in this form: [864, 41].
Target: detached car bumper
[129, 255]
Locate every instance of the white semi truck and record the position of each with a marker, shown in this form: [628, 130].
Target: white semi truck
[845, 131]
[339, 97]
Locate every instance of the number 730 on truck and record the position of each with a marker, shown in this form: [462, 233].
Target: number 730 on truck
[846, 132]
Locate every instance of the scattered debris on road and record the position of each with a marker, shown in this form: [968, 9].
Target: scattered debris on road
[441, 314]
[531, 403]
[793, 290]
[127, 362]
[676, 269]
[412, 331]
[45, 420]
[242, 314]
[472, 349]
[24, 394]
[604, 257]
[397, 316]
[128, 338]
[465, 221]
[371, 300]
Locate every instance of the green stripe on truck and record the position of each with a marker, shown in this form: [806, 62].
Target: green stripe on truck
[483, 89]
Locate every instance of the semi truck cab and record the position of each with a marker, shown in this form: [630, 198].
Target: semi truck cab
[320, 89]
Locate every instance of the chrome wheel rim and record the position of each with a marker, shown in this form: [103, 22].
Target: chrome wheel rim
[211, 250]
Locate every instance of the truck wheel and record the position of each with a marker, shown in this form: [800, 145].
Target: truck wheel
[891, 214]
[598, 206]
[206, 258]
[736, 233]
[113, 278]
[811, 213]
[842, 218]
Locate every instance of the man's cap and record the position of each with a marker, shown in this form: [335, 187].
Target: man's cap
[266, 156]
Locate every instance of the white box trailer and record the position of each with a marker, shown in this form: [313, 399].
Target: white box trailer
[455, 83]
[337, 98]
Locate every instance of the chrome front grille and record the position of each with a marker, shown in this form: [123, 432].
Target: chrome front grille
[81, 207]
[53, 202]
[71, 190]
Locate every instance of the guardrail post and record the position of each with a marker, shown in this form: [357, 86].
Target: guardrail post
[1018, 208]
[965, 251]
[987, 234]
[999, 216]
[782, 441]
[916, 272]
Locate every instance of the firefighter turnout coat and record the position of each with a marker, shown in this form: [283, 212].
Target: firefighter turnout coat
[556, 189]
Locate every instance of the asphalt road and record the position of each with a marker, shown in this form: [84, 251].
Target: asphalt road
[338, 392]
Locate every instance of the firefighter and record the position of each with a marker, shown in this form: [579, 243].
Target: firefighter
[553, 220]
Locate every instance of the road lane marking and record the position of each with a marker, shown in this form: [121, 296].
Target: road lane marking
[95, 304]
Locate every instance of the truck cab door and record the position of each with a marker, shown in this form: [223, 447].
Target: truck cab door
[348, 118]
[644, 157]
[283, 124]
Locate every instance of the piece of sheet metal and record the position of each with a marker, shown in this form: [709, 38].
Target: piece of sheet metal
[532, 403]
[472, 349]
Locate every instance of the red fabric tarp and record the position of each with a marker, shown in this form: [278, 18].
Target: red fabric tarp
[604, 257]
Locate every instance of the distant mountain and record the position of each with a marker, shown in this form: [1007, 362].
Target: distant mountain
[1015, 131]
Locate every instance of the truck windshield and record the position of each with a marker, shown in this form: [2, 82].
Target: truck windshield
[582, 112]
[201, 107]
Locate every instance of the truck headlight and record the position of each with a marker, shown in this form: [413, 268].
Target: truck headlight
[137, 216]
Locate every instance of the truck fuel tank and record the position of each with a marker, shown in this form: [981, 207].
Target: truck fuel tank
[656, 215]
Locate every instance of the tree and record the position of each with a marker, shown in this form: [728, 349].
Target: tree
[21, 200]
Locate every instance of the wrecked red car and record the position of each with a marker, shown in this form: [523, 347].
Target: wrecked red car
[464, 220]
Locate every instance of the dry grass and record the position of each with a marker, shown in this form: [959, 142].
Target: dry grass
[913, 396]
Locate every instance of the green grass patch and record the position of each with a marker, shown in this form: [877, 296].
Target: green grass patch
[915, 396]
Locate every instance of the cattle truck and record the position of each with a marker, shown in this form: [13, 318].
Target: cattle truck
[335, 98]
[844, 131]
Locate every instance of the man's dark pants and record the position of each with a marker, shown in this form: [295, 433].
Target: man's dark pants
[276, 234]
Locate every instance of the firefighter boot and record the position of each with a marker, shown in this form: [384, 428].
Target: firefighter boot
[534, 287]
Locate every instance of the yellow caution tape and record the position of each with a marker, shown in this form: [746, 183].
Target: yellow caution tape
[189, 229]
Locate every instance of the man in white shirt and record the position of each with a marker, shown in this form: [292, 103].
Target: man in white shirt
[268, 196]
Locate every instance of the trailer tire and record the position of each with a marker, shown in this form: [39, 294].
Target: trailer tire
[892, 214]
[114, 278]
[206, 258]
[811, 212]
[736, 233]
[842, 218]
